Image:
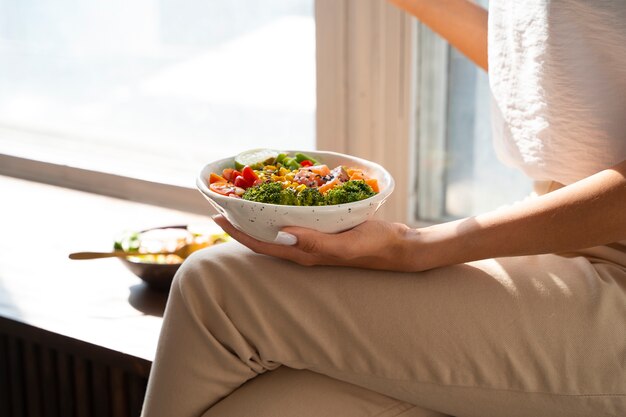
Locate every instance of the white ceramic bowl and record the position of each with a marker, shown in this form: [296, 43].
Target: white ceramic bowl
[263, 221]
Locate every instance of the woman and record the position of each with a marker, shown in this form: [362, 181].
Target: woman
[516, 312]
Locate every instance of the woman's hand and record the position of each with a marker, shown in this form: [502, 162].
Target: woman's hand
[374, 244]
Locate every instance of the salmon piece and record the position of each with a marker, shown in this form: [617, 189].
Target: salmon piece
[308, 178]
[340, 173]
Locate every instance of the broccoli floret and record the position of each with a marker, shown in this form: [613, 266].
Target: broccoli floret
[348, 192]
[288, 197]
[268, 192]
[310, 197]
[271, 193]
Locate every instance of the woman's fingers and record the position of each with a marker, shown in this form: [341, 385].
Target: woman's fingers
[291, 253]
[330, 245]
[311, 248]
[373, 245]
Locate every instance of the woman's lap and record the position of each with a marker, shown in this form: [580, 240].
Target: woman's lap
[512, 335]
[286, 392]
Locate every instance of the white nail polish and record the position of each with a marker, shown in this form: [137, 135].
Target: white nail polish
[284, 238]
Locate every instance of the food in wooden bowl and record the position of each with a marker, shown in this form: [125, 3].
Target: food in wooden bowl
[159, 270]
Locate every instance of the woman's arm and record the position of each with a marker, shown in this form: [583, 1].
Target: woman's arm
[460, 22]
[588, 213]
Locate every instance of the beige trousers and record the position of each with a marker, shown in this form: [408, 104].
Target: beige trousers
[250, 335]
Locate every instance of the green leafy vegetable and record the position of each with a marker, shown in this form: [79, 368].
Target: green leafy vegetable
[128, 242]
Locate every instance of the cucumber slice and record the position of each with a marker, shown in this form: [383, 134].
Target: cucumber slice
[280, 158]
[290, 163]
[255, 158]
[303, 157]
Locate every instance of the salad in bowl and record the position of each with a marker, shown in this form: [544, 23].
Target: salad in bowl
[262, 190]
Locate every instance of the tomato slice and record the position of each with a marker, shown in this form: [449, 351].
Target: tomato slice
[306, 163]
[249, 175]
[225, 188]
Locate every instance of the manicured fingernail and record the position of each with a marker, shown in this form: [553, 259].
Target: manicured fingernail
[284, 238]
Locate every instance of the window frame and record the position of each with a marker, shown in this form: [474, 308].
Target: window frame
[97, 182]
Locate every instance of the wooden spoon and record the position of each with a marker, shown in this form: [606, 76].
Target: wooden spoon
[183, 252]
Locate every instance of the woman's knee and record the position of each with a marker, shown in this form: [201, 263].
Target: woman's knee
[221, 273]
[202, 274]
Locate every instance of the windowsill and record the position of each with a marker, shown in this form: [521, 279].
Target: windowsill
[97, 301]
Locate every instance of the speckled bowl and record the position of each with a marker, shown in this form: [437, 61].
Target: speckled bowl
[263, 221]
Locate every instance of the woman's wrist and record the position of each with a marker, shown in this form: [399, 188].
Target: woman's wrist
[440, 245]
[420, 249]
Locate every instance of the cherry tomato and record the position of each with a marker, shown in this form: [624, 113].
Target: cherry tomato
[240, 181]
[306, 163]
[228, 173]
[249, 175]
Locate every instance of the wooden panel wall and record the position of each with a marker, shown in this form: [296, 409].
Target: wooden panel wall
[43, 374]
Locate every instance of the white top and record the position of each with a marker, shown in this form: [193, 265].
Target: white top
[557, 70]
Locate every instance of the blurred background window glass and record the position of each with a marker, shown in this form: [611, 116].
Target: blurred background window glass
[460, 173]
[154, 89]
[475, 179]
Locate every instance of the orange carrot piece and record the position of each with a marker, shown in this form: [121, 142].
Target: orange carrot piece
[357, 175]
[373, 182]
[329, 185]
[216, 178]
[320, 170]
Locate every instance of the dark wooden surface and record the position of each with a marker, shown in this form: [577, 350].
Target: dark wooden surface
[76, 337]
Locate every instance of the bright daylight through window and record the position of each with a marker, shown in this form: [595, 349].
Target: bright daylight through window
[154, 89]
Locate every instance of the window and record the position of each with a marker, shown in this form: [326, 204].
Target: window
[153, 89]
[459, 174]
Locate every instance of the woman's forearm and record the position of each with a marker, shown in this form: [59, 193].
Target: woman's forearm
[460, 22]
[587, 213]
